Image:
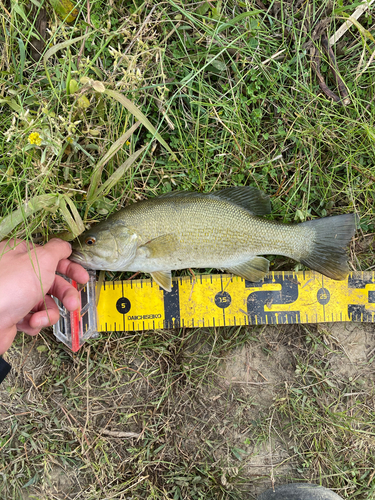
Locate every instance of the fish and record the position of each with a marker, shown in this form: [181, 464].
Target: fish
[223, 230]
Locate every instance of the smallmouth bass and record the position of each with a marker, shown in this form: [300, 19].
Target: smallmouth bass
[222, 230]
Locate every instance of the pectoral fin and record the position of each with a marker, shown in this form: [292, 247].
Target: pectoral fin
[163, 279]
[161, 246]
[252, 270]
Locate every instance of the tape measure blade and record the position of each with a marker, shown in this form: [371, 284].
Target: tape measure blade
[226, 300]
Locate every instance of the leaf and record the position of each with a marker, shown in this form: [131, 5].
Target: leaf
[95, 84]
[83, 102]
[42, 202]
[132, 108]
[238, 19]
[60, 46]
[68, 218]
[12, 104]
[97, 172]
[118, 174]
[219, 65]
[50, 202]
[21, 46]
[65, 9]
[237, 452]
[203, 9]
[20, 10]
[33, 480]
[103, 206]
[63, 45]
[98, 86]
[351, 6]
[85, 80]
[73, 86]
[78, 226]
[360, 28]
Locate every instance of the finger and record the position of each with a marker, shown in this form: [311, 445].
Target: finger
[15, 246]
[73, 270]
[59, 249]
[47, 314]
[66, 293]
[24, 326]
[7, 338]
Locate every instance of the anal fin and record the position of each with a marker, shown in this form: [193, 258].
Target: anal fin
[163, 279]
[253, 269]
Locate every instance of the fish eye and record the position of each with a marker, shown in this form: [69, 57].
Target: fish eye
[90, 240]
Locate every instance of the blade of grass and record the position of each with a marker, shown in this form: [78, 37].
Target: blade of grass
[238, 19]
[97, 172]
[344, 28]
[71, 216]
[60, 46]
[21, 67]
[364, 32]
[48, 202]
[116, 176]
[132, 108]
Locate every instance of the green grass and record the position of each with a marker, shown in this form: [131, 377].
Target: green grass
[197, 73]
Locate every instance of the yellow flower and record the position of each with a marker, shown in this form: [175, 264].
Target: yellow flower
[127, 143]
[34, 138]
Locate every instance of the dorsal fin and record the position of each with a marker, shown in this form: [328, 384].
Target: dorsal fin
[247, 197]
[179, 194]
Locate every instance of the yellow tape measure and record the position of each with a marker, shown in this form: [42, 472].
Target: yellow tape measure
[226, 300]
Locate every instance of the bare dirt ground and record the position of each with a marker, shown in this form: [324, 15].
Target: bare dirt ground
[262, 376]
[190, 412]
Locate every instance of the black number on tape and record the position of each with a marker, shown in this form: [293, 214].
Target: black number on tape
[223, 300]
[257, 301]
[123, 305]
[358, 312]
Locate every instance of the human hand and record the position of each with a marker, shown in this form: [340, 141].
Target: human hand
[27, 281]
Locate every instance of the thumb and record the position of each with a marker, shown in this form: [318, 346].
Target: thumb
[59, 249]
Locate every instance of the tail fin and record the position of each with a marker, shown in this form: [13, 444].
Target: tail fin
[332, 235]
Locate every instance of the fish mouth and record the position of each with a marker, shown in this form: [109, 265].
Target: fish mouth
[77, 256]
